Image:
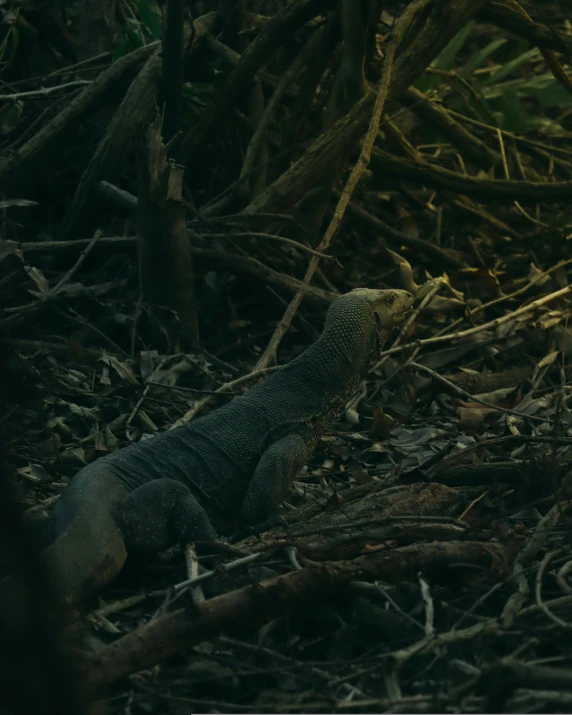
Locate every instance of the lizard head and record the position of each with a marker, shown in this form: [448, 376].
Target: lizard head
[358, 323]
[390, 307]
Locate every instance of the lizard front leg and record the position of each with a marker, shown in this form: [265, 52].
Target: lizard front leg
[272, 477]
[162, 513]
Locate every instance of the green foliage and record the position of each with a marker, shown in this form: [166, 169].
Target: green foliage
[513, 94]
[150, 14]
[446, 58]
[479, 58]
[513, 116]
[508, 68]
[143, 25]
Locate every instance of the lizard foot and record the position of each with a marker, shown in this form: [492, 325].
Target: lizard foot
[258, 529]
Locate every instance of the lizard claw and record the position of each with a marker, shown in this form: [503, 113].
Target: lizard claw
[258, 529]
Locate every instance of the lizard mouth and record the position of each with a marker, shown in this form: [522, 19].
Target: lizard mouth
[401, 316]
[395, 320]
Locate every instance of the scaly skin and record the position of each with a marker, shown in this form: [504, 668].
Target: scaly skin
[232, 467]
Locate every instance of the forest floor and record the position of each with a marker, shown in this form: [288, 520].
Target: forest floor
[425, 563]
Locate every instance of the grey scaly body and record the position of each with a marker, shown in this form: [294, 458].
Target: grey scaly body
[231, 467]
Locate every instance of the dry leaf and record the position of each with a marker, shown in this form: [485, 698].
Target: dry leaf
[369, 549]
[471, 417]
[123, 369]
[362, 476]
[334, 503]
[549, 359]
[563, 339]
[382, 424]
[8, 248]
[39, 279]
[534, 272]
[48, 447]
[405, 272]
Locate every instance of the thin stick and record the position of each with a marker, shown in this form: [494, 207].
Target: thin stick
[269, 236]
[510, 296]
[467, 396]
[538, 592]
[479, 328]
[531, 548]
[43, 91]
[438, 284]
[357, 172]
[52, 293]
[429, 607]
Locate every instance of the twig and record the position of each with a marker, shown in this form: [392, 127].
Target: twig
[275, 32]
[380, 521]
[259, 136]
[437, 285]
[487, 627]
[522, 290]
[435, 288]
[432, 113]
[246, 264]
[197, 594]
[479, 328]
[53, 292]
[133, 111]
[538, 592]
[193, 581]
[561, 576]
[502, 190]
[179, 630]
[429, 607]
[122, 604]
[271, 237]
[378, 588]
[193, 390]
[74, 269]
[467, 397]
[79, 105]
[279, 657]
[43, 91]
[534, 544]
[357, 172]
[140, 401]
[392, 235]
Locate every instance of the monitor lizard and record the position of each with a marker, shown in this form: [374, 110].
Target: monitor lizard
[231, 467]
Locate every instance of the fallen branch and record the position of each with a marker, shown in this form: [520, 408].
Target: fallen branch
[274, 33]
[463, 394]
[426, 248]
[245, 264]
[442, 23]
[438, 178]
[506, 17]
[491, 325]
[79, 106]
[133, 112]
[357, 172]
[438, 117]
[257, 605]
[316, 43]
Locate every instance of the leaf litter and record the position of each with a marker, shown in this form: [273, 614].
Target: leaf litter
[448, 507]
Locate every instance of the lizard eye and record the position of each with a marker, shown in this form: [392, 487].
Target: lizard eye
[390, 300]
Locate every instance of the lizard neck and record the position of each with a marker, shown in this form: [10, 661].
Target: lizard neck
[339, 360]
